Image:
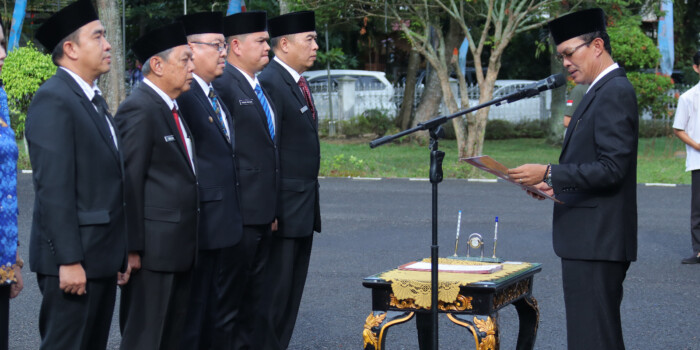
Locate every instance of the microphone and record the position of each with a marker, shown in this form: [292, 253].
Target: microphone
[551, 82]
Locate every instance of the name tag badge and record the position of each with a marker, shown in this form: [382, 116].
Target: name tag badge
[247, 102]
[304, 109]
[169, 138]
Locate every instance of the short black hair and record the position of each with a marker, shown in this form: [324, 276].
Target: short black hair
[57, 53]
[696, 58]
[589, 37]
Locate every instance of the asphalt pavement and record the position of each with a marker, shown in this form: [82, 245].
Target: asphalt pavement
[374, 225]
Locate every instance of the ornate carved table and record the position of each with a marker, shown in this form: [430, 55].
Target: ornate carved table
[469, 300]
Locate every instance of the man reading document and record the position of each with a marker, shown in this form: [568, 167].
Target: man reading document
[595, 228]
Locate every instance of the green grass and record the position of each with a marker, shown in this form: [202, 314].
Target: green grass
[659, 160]
[23, 159]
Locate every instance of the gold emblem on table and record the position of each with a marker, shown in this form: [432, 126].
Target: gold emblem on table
[368, 334]
[511, 293]
[462, 303]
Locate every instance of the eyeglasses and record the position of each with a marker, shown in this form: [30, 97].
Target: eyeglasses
[560, 56]
[219, 46]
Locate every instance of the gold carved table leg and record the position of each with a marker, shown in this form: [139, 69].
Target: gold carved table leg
[377, 325]
[483, 328]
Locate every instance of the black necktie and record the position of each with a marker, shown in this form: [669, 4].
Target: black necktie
[101, 105]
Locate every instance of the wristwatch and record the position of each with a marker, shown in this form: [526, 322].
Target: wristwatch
[548, 175]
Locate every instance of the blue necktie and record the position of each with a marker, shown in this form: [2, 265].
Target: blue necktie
[217, 110]
[266, 108]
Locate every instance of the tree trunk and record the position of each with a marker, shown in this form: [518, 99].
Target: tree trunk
[403, 119]
[429, 103]
[477, 123]
[284, 7]
[112, 83]
[555, 130]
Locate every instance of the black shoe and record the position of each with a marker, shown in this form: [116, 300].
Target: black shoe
[691, 260]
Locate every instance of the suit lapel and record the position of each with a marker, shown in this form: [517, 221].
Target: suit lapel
[250, 93]
[231, 126]
[99, 121]
[167, 115]
[206, 102]
[585, 103]
[296, 91]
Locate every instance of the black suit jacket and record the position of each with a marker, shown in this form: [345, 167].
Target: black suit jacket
[597, 176]
[300, 154]
[256, 151]
[220, 223]
[78, 183]
[162, 198]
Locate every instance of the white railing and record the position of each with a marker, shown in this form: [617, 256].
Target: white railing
[365, 97]
[354, 97]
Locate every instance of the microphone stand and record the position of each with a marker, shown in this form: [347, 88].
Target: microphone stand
[434, 127]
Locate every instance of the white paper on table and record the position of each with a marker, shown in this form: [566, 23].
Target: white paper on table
[426, 266]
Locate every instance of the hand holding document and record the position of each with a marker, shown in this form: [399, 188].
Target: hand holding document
[490, 165]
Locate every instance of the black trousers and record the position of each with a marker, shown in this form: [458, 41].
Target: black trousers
[217, 295]
[592, 295]
[4, 316]
[286, 274]
[695, 211]
[76, 322]
[153, 309]
[251, 328]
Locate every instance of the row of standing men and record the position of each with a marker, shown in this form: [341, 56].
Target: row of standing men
[199, 198]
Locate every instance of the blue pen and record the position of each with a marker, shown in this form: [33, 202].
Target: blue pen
[495, 238]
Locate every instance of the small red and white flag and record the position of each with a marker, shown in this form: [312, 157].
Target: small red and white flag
[569, 103]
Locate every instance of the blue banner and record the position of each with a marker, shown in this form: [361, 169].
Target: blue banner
[235, 6]
[17, 20]
[463, 50]
[665, 36]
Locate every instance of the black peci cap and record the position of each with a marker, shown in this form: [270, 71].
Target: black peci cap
[203, 22]
[292, 23]
[64, 22]
[245, 22]
[576, 24]
[159, 40]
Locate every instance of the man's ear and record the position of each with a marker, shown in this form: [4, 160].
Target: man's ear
[157, 65]
[283, 44]
[696, 68]
[70, 50]
[599, 46]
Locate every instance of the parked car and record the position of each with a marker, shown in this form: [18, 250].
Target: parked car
[535, 107]
[372, 91]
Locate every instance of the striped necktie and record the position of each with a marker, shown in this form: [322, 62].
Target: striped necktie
[266, 108]
[214, 103]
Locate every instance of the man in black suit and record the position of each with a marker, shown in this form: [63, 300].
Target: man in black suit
[162, 203]
[294, 44]
[212, 306]
[78, 237]
[595, 228]
[256, 153]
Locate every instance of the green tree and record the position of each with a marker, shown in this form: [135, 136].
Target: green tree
[635, 51]
[489, 25]
[24, 71]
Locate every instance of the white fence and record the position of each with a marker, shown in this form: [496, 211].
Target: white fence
[356, 97]
[351, 98]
